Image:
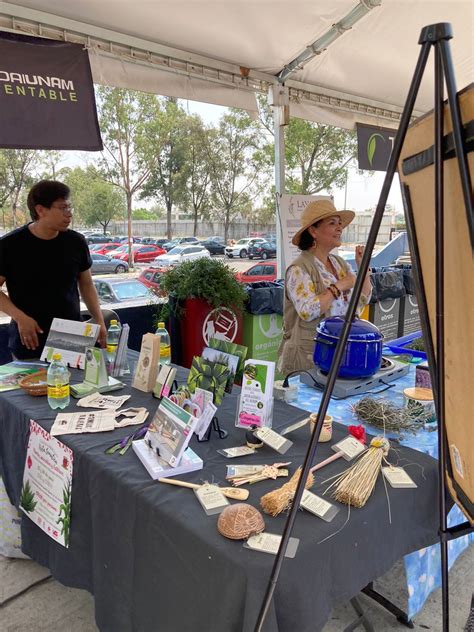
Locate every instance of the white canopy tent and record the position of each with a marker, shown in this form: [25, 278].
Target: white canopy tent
[352, 60]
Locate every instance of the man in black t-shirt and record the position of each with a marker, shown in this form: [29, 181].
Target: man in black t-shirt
[44, 266]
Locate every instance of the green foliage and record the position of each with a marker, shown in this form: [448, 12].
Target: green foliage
[27, 498]
[64, 518]
[167, 180]
[144, 214]
[208, 279]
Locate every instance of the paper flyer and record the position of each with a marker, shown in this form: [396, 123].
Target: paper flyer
[70, 338]
[47, 479]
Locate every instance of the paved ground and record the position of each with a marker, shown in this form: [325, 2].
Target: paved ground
[31, 601]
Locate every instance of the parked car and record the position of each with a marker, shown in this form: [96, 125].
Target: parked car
[141, 254]
[101, 264]
[151, 277]
[98, 238]
[240, 249]
[123, 239]
[214, 247]
[270, 236]
[216, 238]
[258, 272]
[122, 290]
[104, 249]
[265, 250]
[179, 241]
[182, 253]
[154, 241]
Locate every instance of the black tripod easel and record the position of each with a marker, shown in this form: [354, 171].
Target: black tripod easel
[436, 36]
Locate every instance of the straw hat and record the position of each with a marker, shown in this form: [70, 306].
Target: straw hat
[320, 209]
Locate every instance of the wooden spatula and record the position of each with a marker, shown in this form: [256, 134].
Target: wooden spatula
[230, 492]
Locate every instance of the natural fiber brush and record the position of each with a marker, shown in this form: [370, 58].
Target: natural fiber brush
[355, 485]
[280, 499]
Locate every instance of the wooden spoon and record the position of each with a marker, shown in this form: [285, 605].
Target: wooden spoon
[230, 492]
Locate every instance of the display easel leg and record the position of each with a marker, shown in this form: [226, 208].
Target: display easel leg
[341, 345]
[435, 35]
[214, 425]
[401, 616]
[362, 619]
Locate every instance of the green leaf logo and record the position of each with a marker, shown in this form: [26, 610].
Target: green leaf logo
[372, 145]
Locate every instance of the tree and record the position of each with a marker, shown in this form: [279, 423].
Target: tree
[197, 192]
[17, 166]
[317, 156]
[235, 161]
[102, 202]
[168, 177]
[95, 200]
[144, 214]
[128, 122]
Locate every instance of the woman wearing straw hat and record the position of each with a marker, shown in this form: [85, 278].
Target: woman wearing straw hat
[318, 284]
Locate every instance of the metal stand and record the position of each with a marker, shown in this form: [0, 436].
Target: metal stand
[436, 35]
[214, 425]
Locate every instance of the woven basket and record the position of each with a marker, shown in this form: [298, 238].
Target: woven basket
[35, 384]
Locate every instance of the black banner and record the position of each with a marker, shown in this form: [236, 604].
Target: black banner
[374, 146]
[46, 95]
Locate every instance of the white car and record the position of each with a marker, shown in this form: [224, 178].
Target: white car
[240, 249]
[178, 254]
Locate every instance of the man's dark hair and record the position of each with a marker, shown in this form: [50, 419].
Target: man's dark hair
[306, 240]
[46, 192]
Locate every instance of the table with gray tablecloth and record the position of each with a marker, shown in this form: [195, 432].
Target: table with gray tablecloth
[155, 562]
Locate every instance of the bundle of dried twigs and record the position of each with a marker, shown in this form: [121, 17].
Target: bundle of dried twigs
[387, 416]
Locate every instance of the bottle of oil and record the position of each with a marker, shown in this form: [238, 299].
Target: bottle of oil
[165, 344]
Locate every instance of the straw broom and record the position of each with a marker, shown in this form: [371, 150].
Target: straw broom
[355, 485]
[279, 500]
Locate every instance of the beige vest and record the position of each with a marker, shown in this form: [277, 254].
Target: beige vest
[297, 346]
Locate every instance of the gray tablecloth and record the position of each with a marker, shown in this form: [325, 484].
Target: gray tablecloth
[155, 562]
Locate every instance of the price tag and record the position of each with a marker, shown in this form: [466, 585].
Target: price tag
[270, 543]
[318, 506]
[234, 471]
[398, 478]
[231, 453]
[273, 440]
[211, 498]
[350, 448]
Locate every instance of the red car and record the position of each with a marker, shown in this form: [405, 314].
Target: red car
[258, 272]
[151, 278]
[141, 254]
[103, 249]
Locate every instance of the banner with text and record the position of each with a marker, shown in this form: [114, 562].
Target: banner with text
[46, 95]
[374, 146]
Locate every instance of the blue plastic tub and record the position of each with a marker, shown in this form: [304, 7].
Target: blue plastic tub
[399, 345]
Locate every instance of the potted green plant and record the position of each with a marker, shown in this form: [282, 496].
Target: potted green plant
[205, 300]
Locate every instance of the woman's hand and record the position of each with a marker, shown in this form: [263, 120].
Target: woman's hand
[359, 252]
[346, 283]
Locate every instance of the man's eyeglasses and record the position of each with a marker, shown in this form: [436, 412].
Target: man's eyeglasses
[65, 208]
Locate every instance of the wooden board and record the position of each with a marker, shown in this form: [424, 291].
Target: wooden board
[458, 287]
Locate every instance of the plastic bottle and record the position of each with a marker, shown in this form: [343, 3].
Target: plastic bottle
[165, 344]
[113, 337]
[58, 383]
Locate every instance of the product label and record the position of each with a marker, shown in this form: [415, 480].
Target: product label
[397, 477]
[273, 439]
[350, 448]
[58, 391]
[165, 351]
[111, 348]
[231, 453]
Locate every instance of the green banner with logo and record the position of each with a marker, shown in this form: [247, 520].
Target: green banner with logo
[374, 146]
